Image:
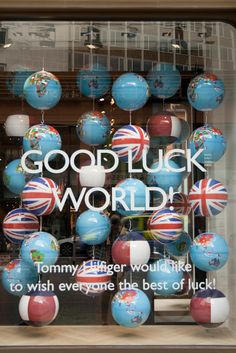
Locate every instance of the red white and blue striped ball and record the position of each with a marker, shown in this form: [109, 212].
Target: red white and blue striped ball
[179, 203]
[209, 308]
[37, 196]
[38, 308]
[93, 277]
[208, 197]
[165, 225]
[18, 224]
[130, 137]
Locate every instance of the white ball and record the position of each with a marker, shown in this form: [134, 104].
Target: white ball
[92, 176]
[16, 125]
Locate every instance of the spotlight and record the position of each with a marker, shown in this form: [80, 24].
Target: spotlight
[92, 40]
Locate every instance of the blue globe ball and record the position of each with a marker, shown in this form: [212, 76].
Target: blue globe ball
[164, 80]
[134, 189]
[93, 128]
[16, 277]
[166, 276]
[130, 91]
[15, 177]
[42, 90]
[181, 246]
[93, 227]
[43, 138]
[40, 249]
[211, 141]
[165, 177]
[209, 252]
[206, 92]
[15, 82]
[94, 81]
[130, 307]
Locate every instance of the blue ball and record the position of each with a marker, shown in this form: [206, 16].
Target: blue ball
[181, 246]
[93, 128]
[163, 273]
[209, 252]
[43, 138]
[164, 80]
[130, 307]
[42, 90]
[40, 248]
[130, 91]
[131, 187]
[15, 177]
[165, 178]
[17, 272]
[211, 141]
[93, 227]
[94, 81]
[15, 82]
[206, 92]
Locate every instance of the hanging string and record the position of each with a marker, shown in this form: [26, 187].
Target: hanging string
[93, 103]
[205, 118]
[130, 117]
[22, 104]
[163, 104]
[42, 116]
[43, 63]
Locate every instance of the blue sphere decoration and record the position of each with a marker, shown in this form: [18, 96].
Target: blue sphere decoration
[181, 246]
[165, 177]
[130, 91]
[93, 128]
[130, 307]
[42, 90]
[164, 80]
[211, 141]
[166, 276]
[94, 81]
[43, 138]
[93, 227]
[40, 249]
[15, 177]
[17, 275]
[131, 187]
[209, 252]
[15, 82]
[206, 92]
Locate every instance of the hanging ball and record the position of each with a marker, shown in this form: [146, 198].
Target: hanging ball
[42, 90]
[93, 128]
[93, 277]
[208, 197]
[43, 138]
[164, 80]
[40, 248]
[93, 227]
[92, 176]
[17, 276]
[209, 308]
[181, 246]
[130, 138]
[164, 128]
[209, 252]
[16, 125]
[130, 91]
[211, 141]
[131, 249]
[38, 308]
[166, 175]
[38, 197]
[130, 307]
[18, 224]
[134, 191]
[165, 225]
[165, 277]
[179, 203]
[206, 92]
[15, 177]
[93, 81]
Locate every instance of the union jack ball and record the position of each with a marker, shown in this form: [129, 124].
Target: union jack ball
[130, 138]
[209, 308]
[165, 225]
[38, 197]
[38, 308]
[179, 203]
[18, 224]
[93, 277]
[208, 197]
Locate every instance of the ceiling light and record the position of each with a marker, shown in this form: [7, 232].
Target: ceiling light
[92, 40]
[7, 45]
